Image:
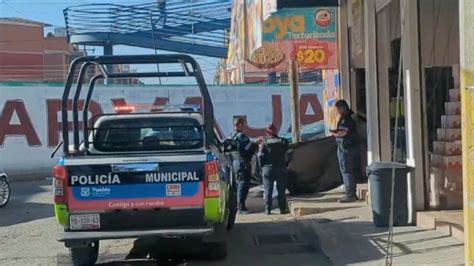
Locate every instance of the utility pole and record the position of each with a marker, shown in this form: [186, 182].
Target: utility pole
[109, 50]
[466, 41]
[294, 100]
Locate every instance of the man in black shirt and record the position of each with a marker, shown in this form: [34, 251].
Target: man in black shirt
[348, 150]
[242, 160]
[273, 162]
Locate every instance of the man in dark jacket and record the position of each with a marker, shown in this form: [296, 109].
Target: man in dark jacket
[242, 160]
[348, 150]
[272, 155]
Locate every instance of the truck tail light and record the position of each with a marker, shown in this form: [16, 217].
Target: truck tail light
[60, 184]
[211, 182]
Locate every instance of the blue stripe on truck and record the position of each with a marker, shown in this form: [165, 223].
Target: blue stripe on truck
[134, 191]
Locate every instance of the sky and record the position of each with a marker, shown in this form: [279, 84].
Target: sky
[51, 12]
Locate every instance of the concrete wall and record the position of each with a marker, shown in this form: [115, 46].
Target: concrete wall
[30, 115]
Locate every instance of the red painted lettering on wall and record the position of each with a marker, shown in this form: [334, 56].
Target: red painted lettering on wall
[116, 103]
[277, 119]
[307, 100]
[159, 101]
[15, 120]
[194, 101]
[55, 126]
[23, 128]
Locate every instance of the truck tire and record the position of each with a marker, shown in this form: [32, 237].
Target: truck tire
[85, 256]
[216, 250]
[232, 207]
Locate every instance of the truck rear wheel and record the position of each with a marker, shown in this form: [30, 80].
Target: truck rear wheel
[85, 256]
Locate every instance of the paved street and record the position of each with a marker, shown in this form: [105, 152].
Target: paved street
[28, 231]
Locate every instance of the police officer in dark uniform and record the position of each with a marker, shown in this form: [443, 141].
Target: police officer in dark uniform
[242, 164]
[348, 150]
[272, 155]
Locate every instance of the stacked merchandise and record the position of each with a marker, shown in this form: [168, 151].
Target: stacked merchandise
[446, 160]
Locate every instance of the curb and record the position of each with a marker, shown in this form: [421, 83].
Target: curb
[308, 231]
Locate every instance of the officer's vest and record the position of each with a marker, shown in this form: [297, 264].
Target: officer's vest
[277, 148]
[236, 155]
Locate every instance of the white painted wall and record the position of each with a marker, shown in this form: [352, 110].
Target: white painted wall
[22, 160]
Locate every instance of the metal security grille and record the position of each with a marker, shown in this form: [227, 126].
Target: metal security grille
[186, 26]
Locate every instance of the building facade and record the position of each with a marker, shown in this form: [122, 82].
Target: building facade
[27, 54]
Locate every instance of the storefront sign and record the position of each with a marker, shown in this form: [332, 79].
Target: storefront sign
[312, 54]
[299, 23]
[306, 34]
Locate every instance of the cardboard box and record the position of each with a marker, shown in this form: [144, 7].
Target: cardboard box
[446, 162]
[451, 121]
[447, 148]
[454, 95]
[453, 162]
[452, 108]
[449, 134]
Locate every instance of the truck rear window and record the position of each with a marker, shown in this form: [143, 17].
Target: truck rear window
[148, 134]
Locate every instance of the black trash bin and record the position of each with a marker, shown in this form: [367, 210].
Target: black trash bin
[380, 180]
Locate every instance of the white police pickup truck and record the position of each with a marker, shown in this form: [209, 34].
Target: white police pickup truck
[137, 174]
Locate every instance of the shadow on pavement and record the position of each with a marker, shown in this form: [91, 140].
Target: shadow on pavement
[25, 212]
[349, 241]
[29, 201]
[404, 246]
[253, 244]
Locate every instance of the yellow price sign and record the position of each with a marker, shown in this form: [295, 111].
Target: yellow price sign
[311, 56]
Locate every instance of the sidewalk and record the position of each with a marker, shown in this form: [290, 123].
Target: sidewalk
[347, 235]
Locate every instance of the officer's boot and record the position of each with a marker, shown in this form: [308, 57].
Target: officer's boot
[268, 210]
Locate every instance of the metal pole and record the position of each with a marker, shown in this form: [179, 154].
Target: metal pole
[294, 100]
[154, 45]
[109, 50]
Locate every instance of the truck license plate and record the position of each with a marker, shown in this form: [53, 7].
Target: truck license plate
[84, 221]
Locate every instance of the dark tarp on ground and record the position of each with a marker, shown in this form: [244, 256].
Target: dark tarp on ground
[313, 166]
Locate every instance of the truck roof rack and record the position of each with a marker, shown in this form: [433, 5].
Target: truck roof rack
[189, 66]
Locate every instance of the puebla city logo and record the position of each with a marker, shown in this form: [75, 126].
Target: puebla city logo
[85, 192]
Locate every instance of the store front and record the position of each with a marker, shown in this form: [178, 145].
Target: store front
[428, 129]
